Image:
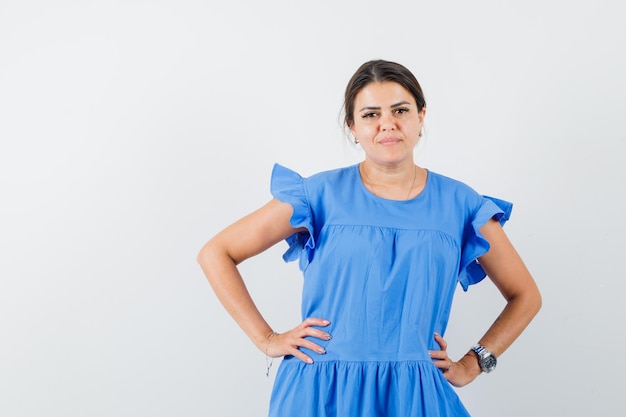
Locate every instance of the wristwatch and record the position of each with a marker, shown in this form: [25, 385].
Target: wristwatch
[486, 359]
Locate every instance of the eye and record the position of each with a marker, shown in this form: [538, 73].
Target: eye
[401, 110]
[369, 115]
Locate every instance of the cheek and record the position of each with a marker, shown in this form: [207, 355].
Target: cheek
[414, 125]
[356, 131]
[362, 129]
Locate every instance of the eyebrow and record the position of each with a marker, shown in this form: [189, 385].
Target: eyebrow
[401, 103]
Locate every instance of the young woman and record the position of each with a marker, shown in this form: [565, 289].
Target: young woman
[382, 245]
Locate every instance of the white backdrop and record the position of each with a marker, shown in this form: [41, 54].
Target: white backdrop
[132, 131]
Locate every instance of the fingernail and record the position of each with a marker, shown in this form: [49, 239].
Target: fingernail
[309, 361]
[430, 353]
[326, 322]
[321, 350]
[328, 337]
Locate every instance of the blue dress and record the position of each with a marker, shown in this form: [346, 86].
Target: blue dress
[384, 273]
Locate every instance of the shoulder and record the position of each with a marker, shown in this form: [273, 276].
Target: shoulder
[332, 176]
[450, 191]
[327, 186]
[334, 181]
[319, 176]
[444, 183]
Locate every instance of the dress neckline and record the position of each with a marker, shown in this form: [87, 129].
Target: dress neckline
[366, 190]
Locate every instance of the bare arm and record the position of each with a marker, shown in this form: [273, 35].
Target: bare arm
[523, 300]
[243, 239]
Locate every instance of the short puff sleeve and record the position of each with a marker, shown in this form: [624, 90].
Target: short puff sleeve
[474, 244]
[289, 187]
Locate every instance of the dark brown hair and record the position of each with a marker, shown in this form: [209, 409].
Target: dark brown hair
[380, 71]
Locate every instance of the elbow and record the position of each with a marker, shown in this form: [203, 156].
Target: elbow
[206, 256]
[538, 301]
[202, 253]
[532, 301]
[210, 251]
[528, 300]
[214, 259]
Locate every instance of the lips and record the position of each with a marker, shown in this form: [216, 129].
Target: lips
[389, 141]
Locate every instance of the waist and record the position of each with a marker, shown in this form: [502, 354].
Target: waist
[344, 349]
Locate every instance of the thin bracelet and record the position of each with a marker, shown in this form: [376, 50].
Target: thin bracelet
[269, 361]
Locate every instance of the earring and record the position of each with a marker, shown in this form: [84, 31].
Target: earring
[356, 141]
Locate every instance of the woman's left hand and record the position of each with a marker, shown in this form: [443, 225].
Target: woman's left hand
[457, 373]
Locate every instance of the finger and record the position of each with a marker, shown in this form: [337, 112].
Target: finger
[302, 356]
[441, 342]
[312, 321]
[313, 331]
[438, 354]
[286, 344]
[307, 344]
[304, 341]
[317, 333]
[444, 365]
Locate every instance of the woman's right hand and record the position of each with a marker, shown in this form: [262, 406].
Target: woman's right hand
[288, 343]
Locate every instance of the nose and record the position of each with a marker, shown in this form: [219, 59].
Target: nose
[387, 122]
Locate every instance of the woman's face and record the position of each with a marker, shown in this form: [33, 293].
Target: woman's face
[387, 122]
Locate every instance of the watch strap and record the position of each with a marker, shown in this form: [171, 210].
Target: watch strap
[486, 360]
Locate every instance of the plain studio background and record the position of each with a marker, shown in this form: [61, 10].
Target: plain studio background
[132, 131]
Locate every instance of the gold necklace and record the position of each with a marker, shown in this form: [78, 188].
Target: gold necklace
[367, 177]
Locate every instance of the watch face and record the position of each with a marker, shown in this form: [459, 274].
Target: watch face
[486, 359]
[489, 363]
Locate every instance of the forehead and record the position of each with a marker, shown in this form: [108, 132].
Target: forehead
[382, 94]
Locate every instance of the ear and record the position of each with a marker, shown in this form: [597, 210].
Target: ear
[422, 114]
[352, 129]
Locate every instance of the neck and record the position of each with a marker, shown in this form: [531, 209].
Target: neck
[400, 182]
[388, 175]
